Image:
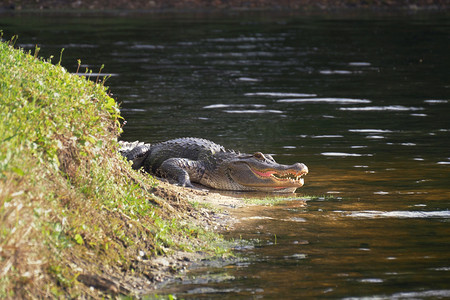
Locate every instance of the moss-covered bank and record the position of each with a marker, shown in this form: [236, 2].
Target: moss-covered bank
[75, 220]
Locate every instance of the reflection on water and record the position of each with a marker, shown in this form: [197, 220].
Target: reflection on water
[383, 108]
[364, 102]
[401, 214]
[324, 100]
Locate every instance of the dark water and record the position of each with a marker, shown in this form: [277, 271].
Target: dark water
[364, 101]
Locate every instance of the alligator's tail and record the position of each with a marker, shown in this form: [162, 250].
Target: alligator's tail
[134, 151]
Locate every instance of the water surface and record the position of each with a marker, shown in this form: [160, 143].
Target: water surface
[363, 101]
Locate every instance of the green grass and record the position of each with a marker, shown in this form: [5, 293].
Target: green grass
[69, 204]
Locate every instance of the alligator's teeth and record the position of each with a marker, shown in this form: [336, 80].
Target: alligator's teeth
[288, 176]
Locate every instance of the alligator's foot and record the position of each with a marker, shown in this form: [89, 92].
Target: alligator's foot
[188, 184]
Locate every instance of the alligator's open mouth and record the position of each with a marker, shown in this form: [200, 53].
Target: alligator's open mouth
[292, 177]
[289, 176]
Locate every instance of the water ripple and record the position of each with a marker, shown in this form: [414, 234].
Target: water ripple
[325, 100]
[339, 72]
[342, 154]
[434, 294]
[360, 64]
[245, 39]
[371, 130]
[233, 105]
[146, 47]
[327, 136]
[436, 101]
[371, 280]
[382, 108]
[275, 94]
[372, 214]
[248, 79]
[254, 111]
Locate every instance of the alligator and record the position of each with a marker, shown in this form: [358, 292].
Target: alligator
[188, 160]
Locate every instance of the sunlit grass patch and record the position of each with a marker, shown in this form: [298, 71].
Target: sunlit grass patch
[275, 200]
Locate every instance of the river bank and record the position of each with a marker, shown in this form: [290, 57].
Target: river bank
[76, 220]
[185, 5]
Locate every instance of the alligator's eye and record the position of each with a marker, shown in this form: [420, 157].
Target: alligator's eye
[269, 157]
[259, 155]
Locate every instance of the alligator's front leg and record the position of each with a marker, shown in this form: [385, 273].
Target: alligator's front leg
[182, 170]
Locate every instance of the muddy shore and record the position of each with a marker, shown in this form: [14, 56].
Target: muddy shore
[214, 212]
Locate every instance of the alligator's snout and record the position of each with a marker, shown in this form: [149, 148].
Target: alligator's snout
[292, 173]
[303, 169]
[269, 175]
